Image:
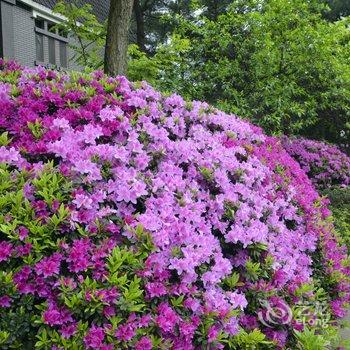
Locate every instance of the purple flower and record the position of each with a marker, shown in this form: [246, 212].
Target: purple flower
[156, 289]
[5, 250]
[167, 318]
[125, 332]
[79, 255]
[94, 338]
[109, 311]
[325, 164]
[212, 334]
[110, 114]
[144, 343]
[5, 301]
[52, 316]
[24, 250]
[280, 337]
[68, 331]
[23, 233]
[49, 266]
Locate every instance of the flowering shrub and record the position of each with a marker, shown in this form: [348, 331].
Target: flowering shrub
[325, 164]
[131, 220]
[329, 169]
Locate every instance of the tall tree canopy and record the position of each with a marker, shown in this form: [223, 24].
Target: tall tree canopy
[278, 62]
[155, 20]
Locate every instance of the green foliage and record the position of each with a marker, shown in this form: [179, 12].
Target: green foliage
[342, 223]
[14, 204]
[88, 33]
[141, 66]
[338, 196]
[279, 63]
[340, 207]
[308, 340]
[23, 327]
[232, 281]
[253, 270]
[4, 139]
[158, 17]
[253, 340]
[36, 129]
[155, 69]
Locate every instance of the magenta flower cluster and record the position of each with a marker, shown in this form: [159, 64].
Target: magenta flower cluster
[214, 193]
[325, 164]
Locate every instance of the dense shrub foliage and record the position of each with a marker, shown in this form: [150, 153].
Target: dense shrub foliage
[340, 206]
[132, 220]
[325, 164]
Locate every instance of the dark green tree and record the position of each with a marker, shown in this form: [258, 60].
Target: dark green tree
[155, 20]
[279, 63]
[337, 9]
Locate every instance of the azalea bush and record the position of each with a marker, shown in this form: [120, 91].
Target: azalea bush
[329, 170]
[133, 220]
[325, 164]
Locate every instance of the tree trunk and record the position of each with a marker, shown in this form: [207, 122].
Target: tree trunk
[115, 62]
[140, 26]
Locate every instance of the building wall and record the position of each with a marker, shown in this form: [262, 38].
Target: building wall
[24, 36]
[18, 34]
[6, 32]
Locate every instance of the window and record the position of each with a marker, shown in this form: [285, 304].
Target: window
[63, 54]
[39, 23]
[47, 38]
[39, 45]
[52, 51]
[51, 27]
[63, 32]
